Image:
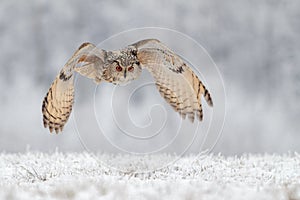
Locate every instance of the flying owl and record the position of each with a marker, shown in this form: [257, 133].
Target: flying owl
[175, 80]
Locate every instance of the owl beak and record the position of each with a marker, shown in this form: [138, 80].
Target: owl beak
[125, 71]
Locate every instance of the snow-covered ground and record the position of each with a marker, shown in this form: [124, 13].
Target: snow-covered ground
[86, 176]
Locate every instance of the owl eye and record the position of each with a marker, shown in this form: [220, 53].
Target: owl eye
[130, 68]
[118, 68]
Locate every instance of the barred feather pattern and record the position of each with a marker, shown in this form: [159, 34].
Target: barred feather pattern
[58, 102]
[175, 80]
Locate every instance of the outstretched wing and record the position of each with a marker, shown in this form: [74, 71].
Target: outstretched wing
[175, 80]
[58, 102]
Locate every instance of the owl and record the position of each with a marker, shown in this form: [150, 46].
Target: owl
[175, 80]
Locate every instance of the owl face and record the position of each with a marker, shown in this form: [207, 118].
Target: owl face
[122, 66]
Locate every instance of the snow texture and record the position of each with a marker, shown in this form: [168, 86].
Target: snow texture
[34, 175]
[255, 44]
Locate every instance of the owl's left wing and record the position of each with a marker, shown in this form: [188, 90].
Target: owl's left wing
[175, 80]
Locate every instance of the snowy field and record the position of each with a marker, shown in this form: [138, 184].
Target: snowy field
[85, 176]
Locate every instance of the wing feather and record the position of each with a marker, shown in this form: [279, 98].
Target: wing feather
[175, 80]
[58, 102]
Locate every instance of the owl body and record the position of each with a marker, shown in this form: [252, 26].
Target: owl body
[175, 80]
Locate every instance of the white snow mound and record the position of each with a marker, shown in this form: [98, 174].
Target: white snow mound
[57, 175]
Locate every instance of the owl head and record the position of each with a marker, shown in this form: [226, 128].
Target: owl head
[122, 66]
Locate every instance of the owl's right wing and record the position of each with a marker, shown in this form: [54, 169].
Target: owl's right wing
[58, 102]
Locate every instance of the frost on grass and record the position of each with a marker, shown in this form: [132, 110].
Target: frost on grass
[102, 176]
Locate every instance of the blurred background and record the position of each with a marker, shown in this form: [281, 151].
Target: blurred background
[255, 45]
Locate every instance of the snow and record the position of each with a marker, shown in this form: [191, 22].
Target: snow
[256, 46]
[35, 175]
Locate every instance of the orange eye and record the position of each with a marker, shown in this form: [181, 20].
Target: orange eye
[130, 68]
[118, 68]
